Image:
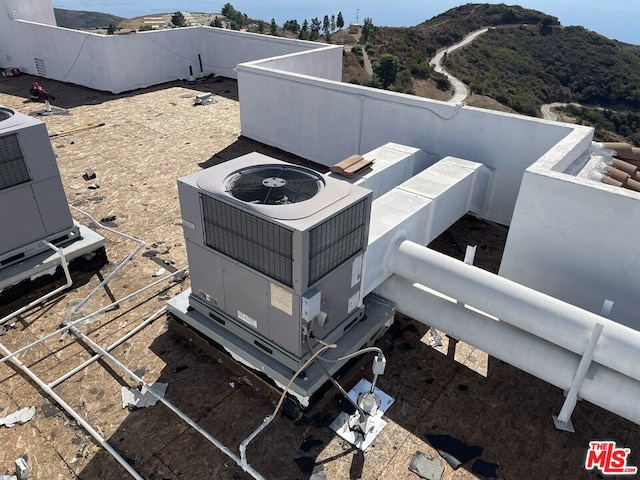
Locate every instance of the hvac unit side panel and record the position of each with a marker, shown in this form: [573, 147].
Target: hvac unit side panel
[206, 278]
[285, 328]
[52, 202]
[337, 291]
[246, 297]
[38, 153]
[19, 218]
[191, 213]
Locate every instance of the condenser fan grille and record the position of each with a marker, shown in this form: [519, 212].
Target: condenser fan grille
[274, 185]
[251, 240]
[5, 114]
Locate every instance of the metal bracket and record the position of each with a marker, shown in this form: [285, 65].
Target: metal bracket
[563, 420]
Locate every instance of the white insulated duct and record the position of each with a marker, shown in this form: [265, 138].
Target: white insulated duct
[543, 316]
[521, 349]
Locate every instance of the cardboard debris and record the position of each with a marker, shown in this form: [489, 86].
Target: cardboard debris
[19, 417]
[132, 397]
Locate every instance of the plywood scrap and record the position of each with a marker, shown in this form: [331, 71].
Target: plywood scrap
[350, 166]
[19, 417]
[134, 398]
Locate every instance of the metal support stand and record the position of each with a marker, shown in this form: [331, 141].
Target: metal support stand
[563, 420]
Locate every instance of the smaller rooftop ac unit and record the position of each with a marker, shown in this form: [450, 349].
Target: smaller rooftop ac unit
[34, 205]
[275, 249]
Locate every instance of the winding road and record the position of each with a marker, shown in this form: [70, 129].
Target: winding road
[461, 92]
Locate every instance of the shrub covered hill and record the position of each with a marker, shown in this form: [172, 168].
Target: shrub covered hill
[84, 20]
[527, 60]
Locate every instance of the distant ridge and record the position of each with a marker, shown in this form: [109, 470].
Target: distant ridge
[84, 20]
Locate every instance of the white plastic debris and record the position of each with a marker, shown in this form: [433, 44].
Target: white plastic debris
[132, 397]
[159, 272]
[435, 340]
[232, 384]
[19, 417]
[22, 469]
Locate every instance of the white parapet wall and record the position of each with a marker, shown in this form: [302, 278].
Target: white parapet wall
[577, 240]
[40, 11]
[326, 121]
[119, 63]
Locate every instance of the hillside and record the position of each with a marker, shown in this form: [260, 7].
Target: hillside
[525, 68]
[526, 59]
[84, 20]
[414, 46]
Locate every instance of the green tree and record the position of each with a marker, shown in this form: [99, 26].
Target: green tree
[236, 17]
[177, 20]
[340, 21]
[111, 30]
[291, 26]
[315, 29]
[326, 26]
[386, 68]
[403, 82]
[227, 10]
[216, 22]
[274, 27]
[333, 23]
[304, 31]
[260, 26]
[145, 27]
[367, 29]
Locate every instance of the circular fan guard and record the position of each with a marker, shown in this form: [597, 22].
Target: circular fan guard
[5, 114]
[274, 185]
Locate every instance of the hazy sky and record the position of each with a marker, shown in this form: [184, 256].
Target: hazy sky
[616, 19]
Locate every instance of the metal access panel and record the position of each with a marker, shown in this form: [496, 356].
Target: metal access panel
[30, 184]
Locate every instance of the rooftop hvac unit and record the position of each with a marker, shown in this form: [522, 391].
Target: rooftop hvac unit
[274, 250]
[34, 205]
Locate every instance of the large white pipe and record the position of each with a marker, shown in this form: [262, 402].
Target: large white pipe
[608, 389]
[539, 314]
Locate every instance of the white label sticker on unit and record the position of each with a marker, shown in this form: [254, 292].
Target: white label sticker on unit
[247, 319]
[356, 271]
[281, 299]
[353, 302]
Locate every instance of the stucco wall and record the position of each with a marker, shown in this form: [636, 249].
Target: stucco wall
[577, 240]
[225, 49]
[40, 11]
[119, 63]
